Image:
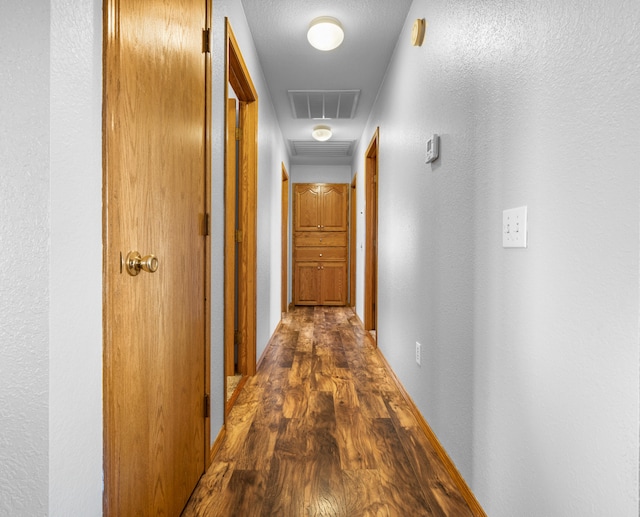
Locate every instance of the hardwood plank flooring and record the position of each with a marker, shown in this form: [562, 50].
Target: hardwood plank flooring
[322, 430]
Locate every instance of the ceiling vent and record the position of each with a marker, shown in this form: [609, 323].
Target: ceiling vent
[323, 104]
[324, 149]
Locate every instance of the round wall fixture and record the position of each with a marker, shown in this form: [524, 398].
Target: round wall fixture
[417, 32]
[325, 33]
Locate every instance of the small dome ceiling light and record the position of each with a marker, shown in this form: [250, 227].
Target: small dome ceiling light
[325, 33]
[321, 133]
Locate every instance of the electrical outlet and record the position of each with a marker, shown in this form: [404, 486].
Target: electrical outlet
[418, 352]
[514, 228]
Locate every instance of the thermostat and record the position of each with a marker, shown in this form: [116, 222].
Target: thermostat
[433, 144]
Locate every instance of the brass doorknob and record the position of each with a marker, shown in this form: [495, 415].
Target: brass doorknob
[136, 263]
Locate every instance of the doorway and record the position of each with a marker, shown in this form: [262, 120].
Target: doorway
[155, 202]
[241, 177]
[371, 236]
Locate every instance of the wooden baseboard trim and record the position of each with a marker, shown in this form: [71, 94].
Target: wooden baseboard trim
[217, 444]
[457, 478]
[266, 348]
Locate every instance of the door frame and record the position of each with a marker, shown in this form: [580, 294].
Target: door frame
[237, 75]
[285, 241]
[353, 217]
[207, 232]
[230, 223]
[371, 234]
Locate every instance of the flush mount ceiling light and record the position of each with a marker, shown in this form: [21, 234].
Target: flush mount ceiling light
[321, 133]
[325, 33]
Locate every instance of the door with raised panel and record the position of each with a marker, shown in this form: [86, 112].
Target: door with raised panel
[154, 202]
[321, 207]
[334, 202]
[307, 284]
[306, 207]
[333, 283]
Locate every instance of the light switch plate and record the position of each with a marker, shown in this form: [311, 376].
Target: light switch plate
[432, 149]
[514, 228]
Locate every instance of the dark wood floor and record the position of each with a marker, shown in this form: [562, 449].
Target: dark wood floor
[322, 430]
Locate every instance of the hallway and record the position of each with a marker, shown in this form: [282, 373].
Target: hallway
[322, 429]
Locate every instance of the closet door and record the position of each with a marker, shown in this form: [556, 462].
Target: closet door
[307, 285]
[306, 207]
[334, 202]
[333, 283]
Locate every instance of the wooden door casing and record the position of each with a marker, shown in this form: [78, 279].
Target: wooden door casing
[240, 254]
[155, 202]
[353, 217]
[230, 238]
[371, 234]
[284, 294]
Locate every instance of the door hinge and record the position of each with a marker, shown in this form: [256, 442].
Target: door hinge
[207, 404]
[238, 133]
[207, 225]
[206, 41]
[238, 235]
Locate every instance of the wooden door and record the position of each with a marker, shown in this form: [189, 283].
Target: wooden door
[333, 283]
[307, 283]
[307, 207]
[155, 140]
[334, 201]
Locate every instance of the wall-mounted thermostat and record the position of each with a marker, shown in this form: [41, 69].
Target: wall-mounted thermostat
[433, 145]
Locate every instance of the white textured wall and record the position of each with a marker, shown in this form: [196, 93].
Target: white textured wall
[24, 257]
[271, 154]
[530, 357]
[320, 174]
[75, 407]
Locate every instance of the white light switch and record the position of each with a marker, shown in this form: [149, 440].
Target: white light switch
[514, 228]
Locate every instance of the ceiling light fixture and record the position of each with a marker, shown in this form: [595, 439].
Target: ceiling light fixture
[321, 133]
[325, 33]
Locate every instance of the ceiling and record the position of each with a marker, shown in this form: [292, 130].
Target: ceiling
[290, 63]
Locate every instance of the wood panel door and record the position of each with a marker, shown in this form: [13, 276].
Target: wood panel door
[333, 283]
[334, 202]
[308, 281]
[320, 207]
[155, 202]
[306, 212]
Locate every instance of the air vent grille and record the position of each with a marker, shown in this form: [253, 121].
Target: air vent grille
[325, 149]
[323, 104]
